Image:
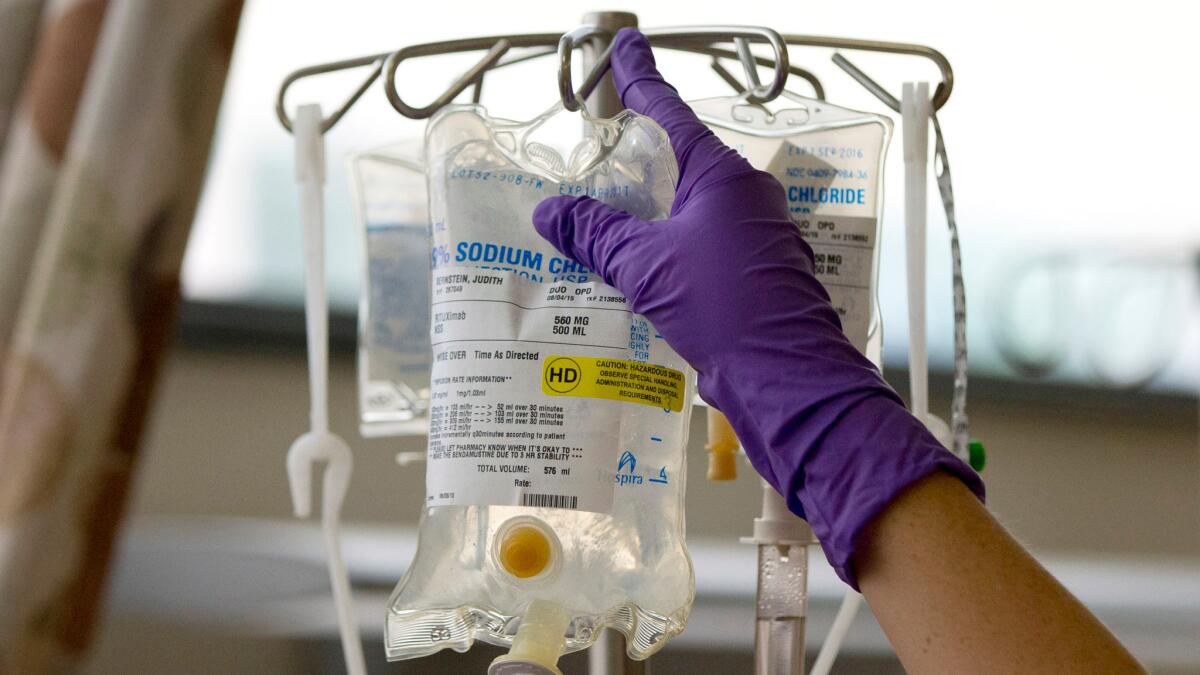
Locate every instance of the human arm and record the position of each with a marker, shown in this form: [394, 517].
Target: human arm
[955, 593]
[728, 281]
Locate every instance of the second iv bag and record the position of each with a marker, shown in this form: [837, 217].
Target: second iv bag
[830, 162]
[558, 418]
[393, 313]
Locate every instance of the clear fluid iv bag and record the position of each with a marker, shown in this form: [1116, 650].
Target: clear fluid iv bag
[393, 314]
[830, 162]
[829, 159]
[558, 418]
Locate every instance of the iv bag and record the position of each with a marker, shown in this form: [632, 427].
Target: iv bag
[393, 313]
[558, 418]
[830, 162]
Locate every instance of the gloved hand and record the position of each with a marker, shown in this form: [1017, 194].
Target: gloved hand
[728, 282]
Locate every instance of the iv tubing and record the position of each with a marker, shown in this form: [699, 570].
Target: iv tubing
[837, 633]
[959, 423]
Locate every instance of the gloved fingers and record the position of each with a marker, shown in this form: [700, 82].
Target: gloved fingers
[595, 235]
[643, 90]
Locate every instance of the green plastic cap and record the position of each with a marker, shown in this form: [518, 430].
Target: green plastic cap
[977, 455]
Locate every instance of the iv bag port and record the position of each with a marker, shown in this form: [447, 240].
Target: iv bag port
[527, 550]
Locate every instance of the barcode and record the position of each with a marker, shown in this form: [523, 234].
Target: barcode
[550, 501]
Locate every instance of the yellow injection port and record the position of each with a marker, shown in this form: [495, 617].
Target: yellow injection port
[525, 551]
[722, 447]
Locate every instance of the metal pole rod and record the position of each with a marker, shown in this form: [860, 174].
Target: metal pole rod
[604, 100]
[607, 656]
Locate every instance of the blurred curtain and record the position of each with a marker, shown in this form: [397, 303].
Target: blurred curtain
[107, 111]
[18, 34]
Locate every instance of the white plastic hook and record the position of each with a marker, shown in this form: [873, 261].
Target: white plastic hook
[319, 445]
[915, 110]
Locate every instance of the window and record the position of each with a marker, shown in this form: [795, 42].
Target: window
[1068, 132]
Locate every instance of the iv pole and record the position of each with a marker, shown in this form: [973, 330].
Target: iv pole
[607, 656]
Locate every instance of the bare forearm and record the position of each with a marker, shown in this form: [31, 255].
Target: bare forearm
[955, 593]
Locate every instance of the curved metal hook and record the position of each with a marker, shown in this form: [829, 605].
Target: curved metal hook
[682, 37]
[941, 93]
[495, 46]
[460, 85]
[328, 122]
[867, 83]
[477, 92]
[797, 71]
[566, 45]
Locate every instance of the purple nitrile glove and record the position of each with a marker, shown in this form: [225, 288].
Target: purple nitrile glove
[728, 282]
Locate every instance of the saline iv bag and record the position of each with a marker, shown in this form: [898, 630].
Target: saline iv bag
[558, 418]
[830, 162]
[393, 313]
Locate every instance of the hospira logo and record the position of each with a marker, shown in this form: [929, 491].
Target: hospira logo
[627, 464]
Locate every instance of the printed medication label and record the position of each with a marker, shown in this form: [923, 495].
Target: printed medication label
[495, 436]
[613, 379]
[831, 180]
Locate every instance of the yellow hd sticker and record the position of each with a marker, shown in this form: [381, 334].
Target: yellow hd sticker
[614, 379]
